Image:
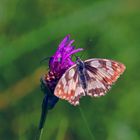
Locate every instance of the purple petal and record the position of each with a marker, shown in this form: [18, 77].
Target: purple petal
[64, 42]
[61, 60]
[69, 44]
[73, 52]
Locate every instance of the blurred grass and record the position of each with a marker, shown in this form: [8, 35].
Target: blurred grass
[15, 91]
[107, 29]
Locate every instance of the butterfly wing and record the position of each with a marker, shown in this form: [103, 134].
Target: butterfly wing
[101, 74]
[69, 87]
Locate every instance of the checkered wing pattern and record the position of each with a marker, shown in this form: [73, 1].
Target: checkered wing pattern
[69, 86]
[101, 74]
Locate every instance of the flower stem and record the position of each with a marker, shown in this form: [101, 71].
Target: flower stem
[43, 117]
[39, 136]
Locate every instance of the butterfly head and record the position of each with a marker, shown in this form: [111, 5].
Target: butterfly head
[78, 60]
[79, 63]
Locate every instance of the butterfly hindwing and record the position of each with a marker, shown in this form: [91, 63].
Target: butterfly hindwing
[79, 92]
[101, 74]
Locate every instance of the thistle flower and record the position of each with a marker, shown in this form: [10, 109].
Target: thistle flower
[58, 64]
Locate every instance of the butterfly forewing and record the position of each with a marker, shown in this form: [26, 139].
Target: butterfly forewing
[69, 87]
[101, 74]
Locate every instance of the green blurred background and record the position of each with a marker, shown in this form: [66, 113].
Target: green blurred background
[31, 30]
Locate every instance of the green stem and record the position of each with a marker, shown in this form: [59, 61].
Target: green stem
[42, 118]
[39, 135]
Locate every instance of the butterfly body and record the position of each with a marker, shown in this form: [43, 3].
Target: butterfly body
[92, 77]
[81, 72]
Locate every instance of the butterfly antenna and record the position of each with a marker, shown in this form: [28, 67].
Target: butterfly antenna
[76, 56]
[83, 53]
[80, 55]
[45, 59]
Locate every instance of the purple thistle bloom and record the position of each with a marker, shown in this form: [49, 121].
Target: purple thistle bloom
[60, 62]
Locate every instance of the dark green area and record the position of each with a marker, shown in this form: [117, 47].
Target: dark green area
[31, 30]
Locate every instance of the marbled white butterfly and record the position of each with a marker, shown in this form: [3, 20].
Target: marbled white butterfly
[92, 77]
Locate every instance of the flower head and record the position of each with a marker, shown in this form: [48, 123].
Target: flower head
[60, 62]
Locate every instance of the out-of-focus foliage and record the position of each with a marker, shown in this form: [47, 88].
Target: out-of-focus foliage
[31, 30]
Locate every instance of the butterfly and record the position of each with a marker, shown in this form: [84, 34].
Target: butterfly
[92, 77]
